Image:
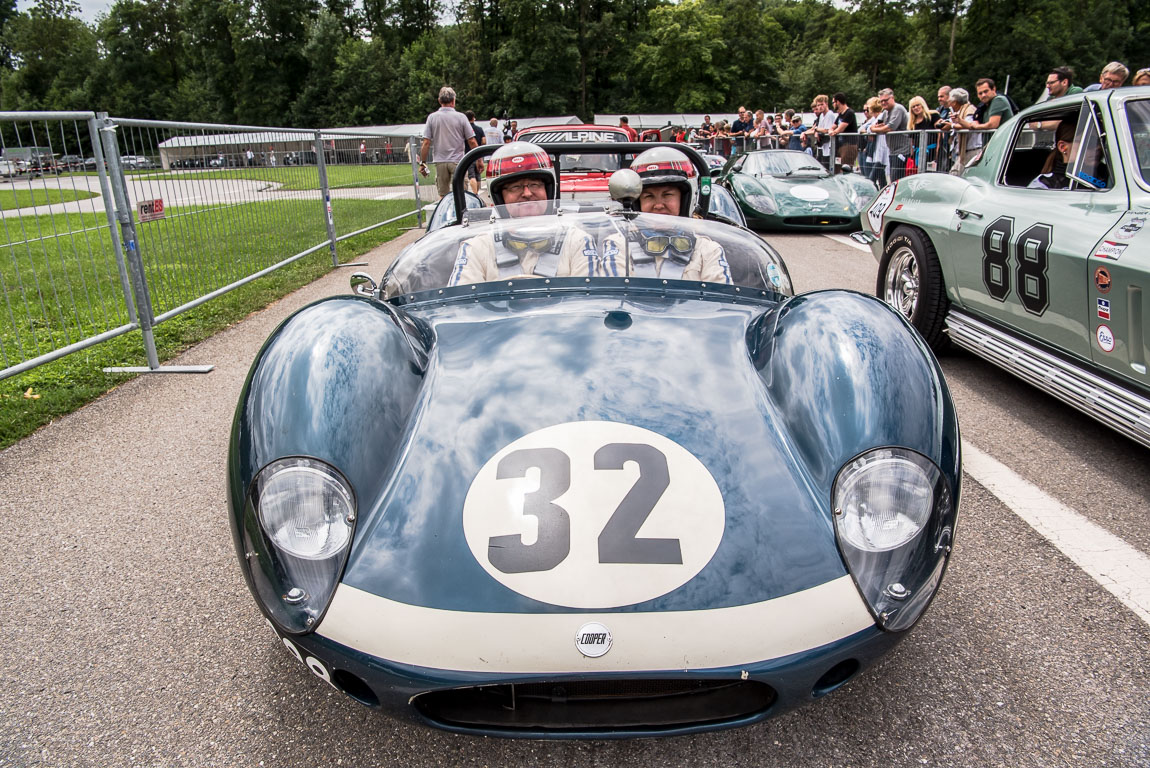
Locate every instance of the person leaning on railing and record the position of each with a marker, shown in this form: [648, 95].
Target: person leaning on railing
[923, 118]
[961, 114]
[874, 156]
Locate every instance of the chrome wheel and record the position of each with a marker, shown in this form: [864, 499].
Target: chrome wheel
[901, 287]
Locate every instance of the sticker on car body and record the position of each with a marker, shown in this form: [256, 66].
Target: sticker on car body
[593, 514]
[1130, 228]
[1103, 309]
[1102, 280]
[878, 208]
[809, 192]
[1109, 249]
[1105, 338]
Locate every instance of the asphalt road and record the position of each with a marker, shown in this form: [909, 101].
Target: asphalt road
[130, 638]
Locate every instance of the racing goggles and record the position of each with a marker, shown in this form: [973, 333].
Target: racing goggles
[521, 245]
[656, 243]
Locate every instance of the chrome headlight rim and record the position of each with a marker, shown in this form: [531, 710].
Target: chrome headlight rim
[270, 568]
[898, 583]
[274, 472]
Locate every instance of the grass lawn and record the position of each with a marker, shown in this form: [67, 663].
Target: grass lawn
[298, 177]
[12, 198]
[61, 289]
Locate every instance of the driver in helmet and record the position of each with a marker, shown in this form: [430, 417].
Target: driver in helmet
[668, 251]
[517, 246]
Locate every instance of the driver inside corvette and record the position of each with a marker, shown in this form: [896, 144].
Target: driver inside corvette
[521, 245]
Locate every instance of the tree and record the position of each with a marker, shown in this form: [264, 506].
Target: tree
[52, 52]
[818, 71]
[140, 70]
[681, 64]
[318, 101]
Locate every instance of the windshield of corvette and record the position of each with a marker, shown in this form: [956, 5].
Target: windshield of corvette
[1138, 116]
[781, 163]
[532, 241]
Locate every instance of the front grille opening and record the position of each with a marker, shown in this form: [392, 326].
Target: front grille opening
[835, 677]
[597, 705]
[817, 221]
[354, 687]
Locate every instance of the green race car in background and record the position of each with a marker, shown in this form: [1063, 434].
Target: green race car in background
[1037, 257]
[779, 189]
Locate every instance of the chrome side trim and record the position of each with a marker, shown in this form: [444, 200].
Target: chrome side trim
[1123, 410]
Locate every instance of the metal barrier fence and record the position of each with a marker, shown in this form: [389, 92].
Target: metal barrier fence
[114, 225]
[880, 157]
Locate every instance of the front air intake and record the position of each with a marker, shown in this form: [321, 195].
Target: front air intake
[596, 705]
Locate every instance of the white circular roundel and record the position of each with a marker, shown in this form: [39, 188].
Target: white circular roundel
[809, 192]
[1105, 338]
[593, 514]
[593, 639]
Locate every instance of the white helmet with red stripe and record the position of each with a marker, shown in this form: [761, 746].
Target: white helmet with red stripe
[519, 160]
[660, 166]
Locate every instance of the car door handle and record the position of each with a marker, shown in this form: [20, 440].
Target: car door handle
[964, 214]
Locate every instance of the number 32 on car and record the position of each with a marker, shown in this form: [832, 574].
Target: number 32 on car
[593, 515]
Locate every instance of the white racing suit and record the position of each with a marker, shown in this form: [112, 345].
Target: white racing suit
[706, 263]
[517, 251]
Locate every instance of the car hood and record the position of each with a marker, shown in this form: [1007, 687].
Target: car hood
[798, 193]
[684, 370]
[499, 373]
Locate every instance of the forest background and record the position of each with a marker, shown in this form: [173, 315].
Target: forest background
[329, 63]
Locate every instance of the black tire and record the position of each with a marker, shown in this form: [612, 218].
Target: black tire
[910, 280]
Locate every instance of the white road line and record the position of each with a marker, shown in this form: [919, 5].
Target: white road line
[847, 241]
[1119, 568]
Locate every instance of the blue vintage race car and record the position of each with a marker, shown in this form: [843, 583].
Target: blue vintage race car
[592, 506]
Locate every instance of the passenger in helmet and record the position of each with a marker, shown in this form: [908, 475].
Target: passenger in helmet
[524, 185]
[669, 188]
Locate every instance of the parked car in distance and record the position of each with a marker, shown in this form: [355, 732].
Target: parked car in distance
[71, 162]
[136, 162]
[1037, 257]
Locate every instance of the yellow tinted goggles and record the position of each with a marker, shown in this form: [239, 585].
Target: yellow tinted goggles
[520, 244]
[656, 244]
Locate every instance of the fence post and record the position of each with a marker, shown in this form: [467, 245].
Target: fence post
[922, 156]
[413, 154]
[131, 242]
[110, 212]
[326, 195]
[139, 279]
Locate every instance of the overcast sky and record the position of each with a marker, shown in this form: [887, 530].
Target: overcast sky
[89, 9]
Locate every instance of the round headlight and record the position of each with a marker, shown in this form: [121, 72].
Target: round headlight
[762, 203]
[305, 508]
[883, 499]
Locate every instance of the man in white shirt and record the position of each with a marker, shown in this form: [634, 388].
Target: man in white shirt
[446, 136]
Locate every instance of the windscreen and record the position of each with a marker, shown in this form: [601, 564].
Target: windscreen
[523, 242]
[1138, 118]
[781, 163]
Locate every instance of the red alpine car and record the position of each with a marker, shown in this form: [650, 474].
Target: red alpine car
[581, 176]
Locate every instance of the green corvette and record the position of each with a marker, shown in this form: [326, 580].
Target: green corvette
[1037, 257]
[780, 189]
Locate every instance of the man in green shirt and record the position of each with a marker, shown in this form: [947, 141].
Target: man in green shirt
[996, 108]
[1058, 82]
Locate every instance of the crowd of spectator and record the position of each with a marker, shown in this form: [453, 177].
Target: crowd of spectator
[885, 139]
